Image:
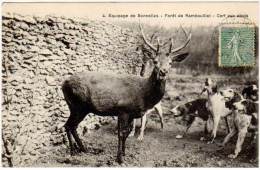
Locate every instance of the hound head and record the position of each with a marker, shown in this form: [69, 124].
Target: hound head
[210, 86]
[182, 115]
[254, 87]
[246, 106]
[240, 106]
[228, 94]
[254, 93]
[178, 110]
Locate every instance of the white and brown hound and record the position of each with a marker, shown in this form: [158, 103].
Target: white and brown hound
[189, 111]
[220, 104]
[245, 118]
[157, 109]
[250, 92]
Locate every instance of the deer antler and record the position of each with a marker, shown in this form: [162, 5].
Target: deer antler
[185, 31]
[146, 42]
[188, 38]
[151, 39]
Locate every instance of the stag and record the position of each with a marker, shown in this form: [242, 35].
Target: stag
[148, 55]
[125, 96]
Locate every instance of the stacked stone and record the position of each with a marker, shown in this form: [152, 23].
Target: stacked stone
[38, 54]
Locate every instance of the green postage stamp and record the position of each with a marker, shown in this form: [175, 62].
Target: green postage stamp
[237, 46]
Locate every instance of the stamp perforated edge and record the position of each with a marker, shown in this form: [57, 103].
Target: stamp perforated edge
[219, 44]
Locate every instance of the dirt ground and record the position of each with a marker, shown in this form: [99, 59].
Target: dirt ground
[159, 148]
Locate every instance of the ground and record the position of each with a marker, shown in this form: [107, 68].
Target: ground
[159, 148]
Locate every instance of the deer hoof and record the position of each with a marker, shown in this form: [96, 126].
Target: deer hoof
[119, 159]
[73, 152]
[83, 150]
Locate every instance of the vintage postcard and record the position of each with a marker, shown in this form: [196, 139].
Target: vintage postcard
[130, 84]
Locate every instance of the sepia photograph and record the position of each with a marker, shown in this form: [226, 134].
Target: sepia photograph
[130, 84]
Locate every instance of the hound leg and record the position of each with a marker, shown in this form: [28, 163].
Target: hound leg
[206, 131]
[229, 136]
[243, 124]
[240, 141]
[159, 111]
[141, 135]
[216, 119]
[187, 129]
[132, 133]
[227, 124]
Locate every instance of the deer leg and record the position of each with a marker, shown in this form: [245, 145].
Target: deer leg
[71, 144]
[72, 125]
[126, 132]
[79, 118]
[159, 111]
[120, 139]
[123, 131]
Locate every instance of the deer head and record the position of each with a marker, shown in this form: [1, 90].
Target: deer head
[163, 59]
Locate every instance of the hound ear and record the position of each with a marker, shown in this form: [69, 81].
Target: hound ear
[183, 109]
[237, 97]
[180, 57]
[250, 106]
[194, 114]
[214, 89]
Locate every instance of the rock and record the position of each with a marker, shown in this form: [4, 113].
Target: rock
[29, 20]
[60, 26]
[34, 49]
[7, 39]
[50, 81]
[24, 26]
[68, 51]
[59, 36]
[45, 52]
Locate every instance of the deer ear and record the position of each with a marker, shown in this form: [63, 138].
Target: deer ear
[180, 57]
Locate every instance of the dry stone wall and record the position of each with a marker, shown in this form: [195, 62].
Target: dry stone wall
[38, 54]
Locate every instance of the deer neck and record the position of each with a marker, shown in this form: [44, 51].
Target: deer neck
[144, 66]
[156, 88]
